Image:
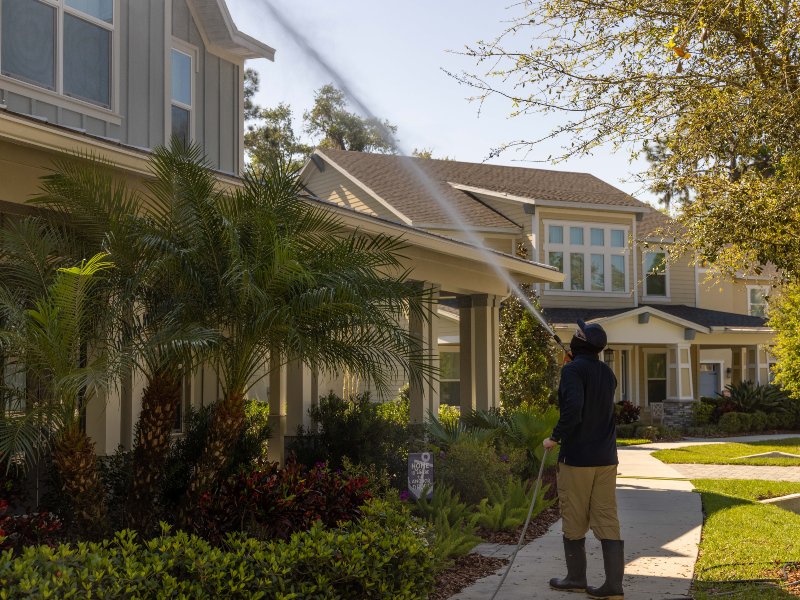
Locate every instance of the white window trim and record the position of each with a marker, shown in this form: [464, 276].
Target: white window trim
[57, 97]
[645, 295]
[647, 352]
[763, 288]
[193, 53]
[587, 250]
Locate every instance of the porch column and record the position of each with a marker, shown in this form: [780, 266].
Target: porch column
[277, 410]
[695, 351]
[486, 350]
[301, 393]
[680, 386]
[737, 367]
[465, 332]
[753, 364]
[424, 396]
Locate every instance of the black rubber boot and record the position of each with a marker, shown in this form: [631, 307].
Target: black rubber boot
[575, 581]
[614, 563]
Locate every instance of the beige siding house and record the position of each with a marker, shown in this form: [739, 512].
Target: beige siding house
[120, 77]
[673, 336]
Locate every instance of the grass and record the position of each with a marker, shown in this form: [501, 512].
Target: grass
[726, 454]
[743, 539]
[632, 442]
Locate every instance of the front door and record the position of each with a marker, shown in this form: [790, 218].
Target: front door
[709, 379]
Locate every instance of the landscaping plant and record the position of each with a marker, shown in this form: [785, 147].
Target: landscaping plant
[507, 506]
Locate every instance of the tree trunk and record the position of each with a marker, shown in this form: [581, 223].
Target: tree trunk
[226, 426]
[159, 408]
[75, 460]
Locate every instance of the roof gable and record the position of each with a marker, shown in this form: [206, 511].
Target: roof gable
[221, 34]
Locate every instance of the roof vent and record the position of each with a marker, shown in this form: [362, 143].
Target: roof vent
[530, 209]
[644, 318]
[689, 333]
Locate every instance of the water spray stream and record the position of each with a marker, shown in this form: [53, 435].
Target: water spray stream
[411, 167]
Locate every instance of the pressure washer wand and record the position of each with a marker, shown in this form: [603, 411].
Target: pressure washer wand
[539, 317]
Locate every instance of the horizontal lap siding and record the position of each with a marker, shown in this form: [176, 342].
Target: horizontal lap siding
[334, 187]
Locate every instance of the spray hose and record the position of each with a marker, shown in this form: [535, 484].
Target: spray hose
[536, 489]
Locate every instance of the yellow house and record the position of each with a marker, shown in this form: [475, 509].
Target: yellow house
[673, 337]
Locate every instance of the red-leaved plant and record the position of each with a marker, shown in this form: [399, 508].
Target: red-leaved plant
[17, 531]
[274, 502]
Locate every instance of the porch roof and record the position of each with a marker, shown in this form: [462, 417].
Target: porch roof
[702, 317]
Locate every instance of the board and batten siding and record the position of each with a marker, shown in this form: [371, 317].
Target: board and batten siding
[142, 97]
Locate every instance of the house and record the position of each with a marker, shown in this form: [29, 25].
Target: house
[673, 335]
[116, 78]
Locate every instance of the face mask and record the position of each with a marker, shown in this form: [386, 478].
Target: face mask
[579, 346]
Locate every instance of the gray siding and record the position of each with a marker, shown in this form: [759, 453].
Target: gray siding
[143, 97]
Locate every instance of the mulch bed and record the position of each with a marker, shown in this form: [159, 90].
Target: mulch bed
[468, 569]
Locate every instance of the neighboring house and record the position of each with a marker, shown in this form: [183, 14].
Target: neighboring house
[116, 78]
[673, 337]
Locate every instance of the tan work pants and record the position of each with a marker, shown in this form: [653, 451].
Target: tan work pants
[588, 499]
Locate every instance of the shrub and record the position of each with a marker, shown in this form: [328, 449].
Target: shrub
[17, 531]
[647, 432]
[449, 414]
[748, 397]
[627, 430]
[469, 467]
[758, 421]
[702, 413]
[383, 556]
[452, 523]
[363, 431]
[507, 507]
[275, 502]
[731, 422]
[626, 412]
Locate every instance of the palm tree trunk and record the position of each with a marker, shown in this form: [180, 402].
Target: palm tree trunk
[159, 408]
[76, 462]
[226, 426]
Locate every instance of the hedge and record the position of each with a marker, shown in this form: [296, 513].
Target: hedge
[383, 556]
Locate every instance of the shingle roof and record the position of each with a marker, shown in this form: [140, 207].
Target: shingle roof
[394, 181]
[700, 316]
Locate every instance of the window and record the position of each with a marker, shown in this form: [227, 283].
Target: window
[182, 73]
[592, 258]
[183, 405]
[655, 270]
[656, 377]
[60, 45]
[757, 300]
[450, 377]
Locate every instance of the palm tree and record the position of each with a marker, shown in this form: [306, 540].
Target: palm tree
[52, 337]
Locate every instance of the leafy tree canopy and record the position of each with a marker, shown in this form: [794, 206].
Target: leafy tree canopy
[329, 124]
[710, 85]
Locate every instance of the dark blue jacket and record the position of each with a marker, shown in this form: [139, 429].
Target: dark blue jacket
[587, 427]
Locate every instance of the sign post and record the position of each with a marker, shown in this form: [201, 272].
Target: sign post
[420, 474]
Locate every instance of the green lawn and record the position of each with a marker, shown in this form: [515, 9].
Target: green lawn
[724, 454]
[743, 539]
[632, 442]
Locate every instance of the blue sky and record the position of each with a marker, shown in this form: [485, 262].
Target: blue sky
[393, 55]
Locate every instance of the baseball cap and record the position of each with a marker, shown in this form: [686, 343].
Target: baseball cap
[594, 333]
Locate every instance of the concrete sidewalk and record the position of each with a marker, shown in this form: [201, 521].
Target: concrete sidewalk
[661, 521]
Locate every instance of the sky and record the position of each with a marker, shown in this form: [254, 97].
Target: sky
[394, 56]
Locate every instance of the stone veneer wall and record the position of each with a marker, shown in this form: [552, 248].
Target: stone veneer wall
[678, 413]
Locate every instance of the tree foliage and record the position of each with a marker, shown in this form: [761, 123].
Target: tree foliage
[785, 318]
[330, 123]
[713, 82]
[528, 363]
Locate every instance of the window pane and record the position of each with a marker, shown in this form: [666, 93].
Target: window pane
[576, 277]
[87, 61]
[556, 234]
[181, 77]
[618, 274]
[655, 282]
[450, 393]
[617, 238]
[28, 34]
[180, 124]
[449, 365]
[576, 236]
[656, 390]
[656, 366]
[100, 9]
[598, 272]
[598, 237]
[556, 259]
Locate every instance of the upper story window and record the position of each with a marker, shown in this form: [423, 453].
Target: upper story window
[655, 274]
[182, 77]
[60, 45]
[757, 300]
[592, 257]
